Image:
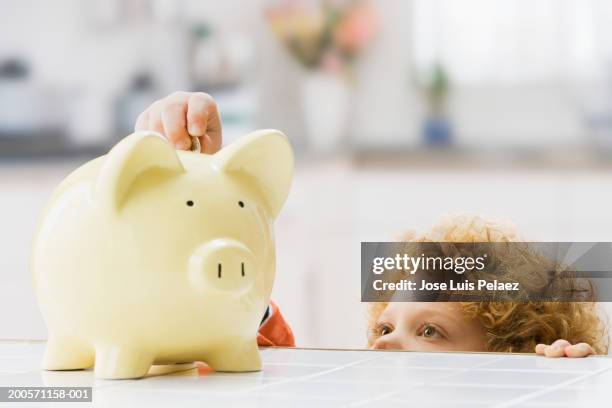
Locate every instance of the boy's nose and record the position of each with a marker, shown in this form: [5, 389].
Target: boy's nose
[388, 342]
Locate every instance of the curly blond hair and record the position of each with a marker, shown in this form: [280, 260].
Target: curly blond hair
[512, 326]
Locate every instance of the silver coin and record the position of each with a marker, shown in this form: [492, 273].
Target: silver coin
[195, 144]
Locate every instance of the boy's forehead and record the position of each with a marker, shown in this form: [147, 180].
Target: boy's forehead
[407, 309]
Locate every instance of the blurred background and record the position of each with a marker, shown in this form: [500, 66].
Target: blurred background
[399, 111]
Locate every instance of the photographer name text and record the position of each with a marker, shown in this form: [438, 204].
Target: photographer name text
[479, 285]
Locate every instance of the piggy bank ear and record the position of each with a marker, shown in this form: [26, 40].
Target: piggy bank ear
[266, 159]
[132, 158]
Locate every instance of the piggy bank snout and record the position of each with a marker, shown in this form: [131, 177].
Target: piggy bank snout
[224, 264]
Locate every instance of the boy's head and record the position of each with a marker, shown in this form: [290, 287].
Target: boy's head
[484, 326]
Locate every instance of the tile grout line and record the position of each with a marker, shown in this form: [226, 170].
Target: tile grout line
[547, 390]
[391, 393]
[383, 396]
[494, 370]
[308, 376]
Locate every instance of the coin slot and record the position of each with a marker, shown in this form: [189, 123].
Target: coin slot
[219, 271]
[242, 267]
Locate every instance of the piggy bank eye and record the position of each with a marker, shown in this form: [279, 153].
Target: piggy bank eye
[189, 203]
[241, 204]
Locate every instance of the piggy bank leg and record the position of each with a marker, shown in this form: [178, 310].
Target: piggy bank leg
[235, 357]
[65, 353]
[120, 362]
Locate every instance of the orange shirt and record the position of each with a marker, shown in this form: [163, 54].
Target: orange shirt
[274, 330]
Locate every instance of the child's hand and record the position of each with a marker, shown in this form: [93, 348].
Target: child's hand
[183, 114]
[563, 348]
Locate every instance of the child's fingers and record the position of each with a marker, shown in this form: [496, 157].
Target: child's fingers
[184, 114]
[174, 122]
[209, 146]
[539, 349]
[197, 114]
[203, 120]
[557, 349]
[143, 121]
[579, 350]
[154, 118]
[560, 344]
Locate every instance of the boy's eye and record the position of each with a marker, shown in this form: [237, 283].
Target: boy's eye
[430, 332]
[385, 329]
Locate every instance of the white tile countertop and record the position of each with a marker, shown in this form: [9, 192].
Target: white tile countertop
[315, 377]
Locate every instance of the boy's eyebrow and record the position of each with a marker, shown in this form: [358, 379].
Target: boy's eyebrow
[381, 318]
[444, 313]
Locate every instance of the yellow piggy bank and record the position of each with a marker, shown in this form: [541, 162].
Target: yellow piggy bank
[149, 255]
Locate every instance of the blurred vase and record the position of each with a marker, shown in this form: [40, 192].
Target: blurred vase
[325, 102]
[437, 131]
